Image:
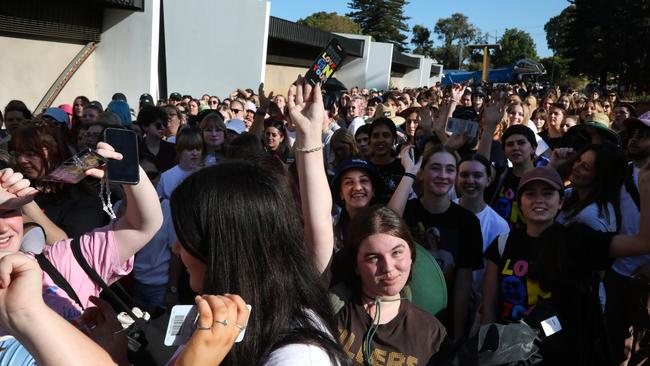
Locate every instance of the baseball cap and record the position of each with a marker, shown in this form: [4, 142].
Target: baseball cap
[544, 174]
[119, 96]
[57, 114]
[175, 96]
[146, 99]
[67, 108]
[236, 125]
[350, 164]
[250, 106]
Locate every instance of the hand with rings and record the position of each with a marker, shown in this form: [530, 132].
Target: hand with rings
[221, 319]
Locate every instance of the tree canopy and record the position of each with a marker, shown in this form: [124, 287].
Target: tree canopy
[453, 31]
[604, 40]
[515, 44]
[384, 20]
[331, 22]
[422, 41]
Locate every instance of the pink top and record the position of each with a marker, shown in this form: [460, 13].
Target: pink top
[100, 250]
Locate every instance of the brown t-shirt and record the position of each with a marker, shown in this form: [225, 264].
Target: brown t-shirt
[411, 338]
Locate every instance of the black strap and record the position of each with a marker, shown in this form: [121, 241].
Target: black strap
[57, 277]
[630, 187]
[497, 188]
[76, 251]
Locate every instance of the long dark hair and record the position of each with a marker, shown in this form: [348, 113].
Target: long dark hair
[240, 219]
[284, 150]
[609, 172]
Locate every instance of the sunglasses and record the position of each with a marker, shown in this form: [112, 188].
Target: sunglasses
[235, 110]
[214, 102]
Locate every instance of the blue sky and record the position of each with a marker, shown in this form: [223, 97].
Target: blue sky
[489, 16]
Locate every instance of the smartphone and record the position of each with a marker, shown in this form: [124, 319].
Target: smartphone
[73, 170]
[460, 126]
[127, 170]
[327, 62]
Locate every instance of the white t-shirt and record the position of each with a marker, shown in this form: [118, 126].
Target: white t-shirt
[170, 179]
[630, 225]
[355, 124]
[298, 354]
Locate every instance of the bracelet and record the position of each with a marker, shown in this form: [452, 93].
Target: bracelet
[410, 175]
[307, 151]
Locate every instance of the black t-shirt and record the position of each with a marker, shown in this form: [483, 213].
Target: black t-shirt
[552, 142]
[572, 296]
[453, 238]
[390, 174]
[411, 338]
[505, 199]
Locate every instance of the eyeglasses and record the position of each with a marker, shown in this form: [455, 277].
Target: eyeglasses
[26, 153]
[214, 102]
[235, 110]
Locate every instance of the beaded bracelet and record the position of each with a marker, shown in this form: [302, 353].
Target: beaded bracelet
[307, 151]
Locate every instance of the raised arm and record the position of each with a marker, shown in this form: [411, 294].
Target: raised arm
[401, 195]
[491, 116]
[143, 215]
[257, 128]
[46, 335]
[306, 112]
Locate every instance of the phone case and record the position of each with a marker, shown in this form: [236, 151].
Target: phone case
[72, 171]
[327, 62]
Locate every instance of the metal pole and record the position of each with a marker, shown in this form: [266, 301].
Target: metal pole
[485, 58]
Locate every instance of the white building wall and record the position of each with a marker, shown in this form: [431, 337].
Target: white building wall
[355, 69]
[127, 56]
[215, 47]
[30, 67]
[379, 67]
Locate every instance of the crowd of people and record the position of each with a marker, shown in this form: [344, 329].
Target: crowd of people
[335, 227]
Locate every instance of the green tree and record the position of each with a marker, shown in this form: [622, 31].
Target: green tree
[422, 40]
[331, 22]
[384, 20]
[454, 31]
[515, 44]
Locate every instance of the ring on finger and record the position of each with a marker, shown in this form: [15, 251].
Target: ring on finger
[198, 327]
[241, 327]
[223, 322]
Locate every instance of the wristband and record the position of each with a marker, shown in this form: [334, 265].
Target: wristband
[410, 175]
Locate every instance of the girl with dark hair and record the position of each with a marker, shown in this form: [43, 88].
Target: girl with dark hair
[543, 273]
[276, 140]
[244, 248]
[78, 106]
[597, 174]
[39, 148]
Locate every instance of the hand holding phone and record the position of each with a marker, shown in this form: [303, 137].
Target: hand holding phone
[328, 61]
[126, 170]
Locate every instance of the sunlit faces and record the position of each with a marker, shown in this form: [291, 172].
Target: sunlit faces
[194, 267]
[173, 121]
[539, 121]
[370, 111]
[384, 264]
[439, 173]
[466, 100]
[518, 149]
[515, 114]
[411, 124]
[273, 138]
[568, 123]
[540, 202]
[30, 162]
[472, 179]
[381, 140]
[11, 230]
[477, 101]
[565, 102]
[356, 189]
[190, 159]
[194, 108]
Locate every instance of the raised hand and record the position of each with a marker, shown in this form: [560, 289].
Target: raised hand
[561, 156]
[306, 111]
[108, 152]
[457, 91]
[456, 141]
[410, 166]
[20, 288]
[493, 114]
[265, 100]
[15, 190]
